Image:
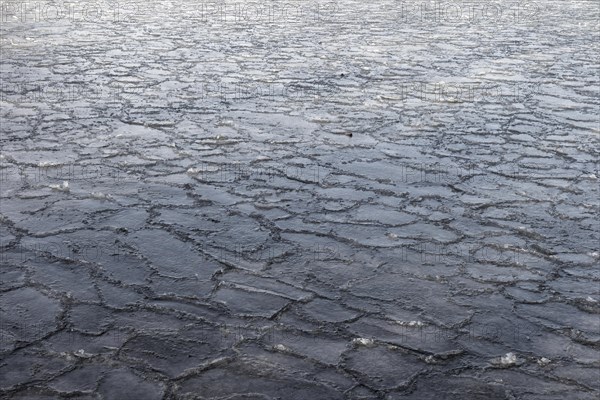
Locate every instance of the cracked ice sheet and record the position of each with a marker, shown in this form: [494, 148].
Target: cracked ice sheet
[299, 200]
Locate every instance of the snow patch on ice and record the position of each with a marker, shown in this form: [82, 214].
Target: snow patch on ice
[544, 361]
[412, 324]
[363, 341]
[100, 196]
[508, 359]
[45, 164]
[430, 360]
[63, 187]
[82, 354]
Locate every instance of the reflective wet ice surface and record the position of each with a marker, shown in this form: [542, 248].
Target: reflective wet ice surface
[299, 200]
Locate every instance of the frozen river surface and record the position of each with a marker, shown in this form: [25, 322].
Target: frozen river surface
[315, 200]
